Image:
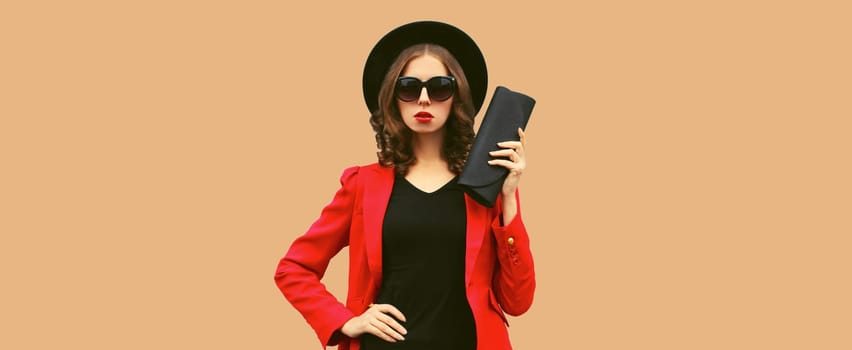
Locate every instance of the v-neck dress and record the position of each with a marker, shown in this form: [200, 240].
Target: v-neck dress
[423, 247]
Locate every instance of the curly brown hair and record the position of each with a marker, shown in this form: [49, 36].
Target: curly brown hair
[393, 137]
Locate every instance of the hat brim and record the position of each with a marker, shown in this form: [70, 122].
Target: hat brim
[457, 42]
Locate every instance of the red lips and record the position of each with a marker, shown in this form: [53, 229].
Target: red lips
[423, 117]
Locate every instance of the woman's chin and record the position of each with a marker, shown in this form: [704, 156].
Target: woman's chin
[425, 130]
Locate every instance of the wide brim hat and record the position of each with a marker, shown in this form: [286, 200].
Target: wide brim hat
[457, 42]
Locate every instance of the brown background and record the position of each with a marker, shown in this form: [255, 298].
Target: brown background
[688, 182]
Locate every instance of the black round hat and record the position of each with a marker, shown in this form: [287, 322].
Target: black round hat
[457, 42]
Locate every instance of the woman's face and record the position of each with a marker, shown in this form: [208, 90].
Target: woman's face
[425, 115]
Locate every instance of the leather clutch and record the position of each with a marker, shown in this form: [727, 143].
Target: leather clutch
[507, 111]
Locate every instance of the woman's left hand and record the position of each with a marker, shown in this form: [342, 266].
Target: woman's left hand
[516, 162]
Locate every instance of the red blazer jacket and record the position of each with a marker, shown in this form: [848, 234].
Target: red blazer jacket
[499, 272]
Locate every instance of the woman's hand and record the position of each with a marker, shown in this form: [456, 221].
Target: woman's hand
[517, 162]
[514, 150]
[376, 321]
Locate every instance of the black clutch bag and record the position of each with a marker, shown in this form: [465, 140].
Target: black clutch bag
[507, 111]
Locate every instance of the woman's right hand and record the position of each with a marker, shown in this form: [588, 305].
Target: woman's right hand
[377, 321]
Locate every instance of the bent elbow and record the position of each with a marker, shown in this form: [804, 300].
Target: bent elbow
[520, 302]
[519, 308]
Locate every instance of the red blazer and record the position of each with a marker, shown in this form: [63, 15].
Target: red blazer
[499, 272]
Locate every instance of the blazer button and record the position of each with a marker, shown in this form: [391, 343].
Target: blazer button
[511, 241]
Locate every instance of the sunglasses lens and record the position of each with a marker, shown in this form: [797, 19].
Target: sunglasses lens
[408, 89]
[440, 88]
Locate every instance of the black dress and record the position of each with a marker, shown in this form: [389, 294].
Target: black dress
[423, 248]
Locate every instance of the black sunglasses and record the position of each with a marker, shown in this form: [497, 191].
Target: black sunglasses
[439, 88]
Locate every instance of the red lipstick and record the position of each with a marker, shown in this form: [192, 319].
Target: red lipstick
[423, 117]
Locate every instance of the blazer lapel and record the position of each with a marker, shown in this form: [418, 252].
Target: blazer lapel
[377, 193]
[476, 223]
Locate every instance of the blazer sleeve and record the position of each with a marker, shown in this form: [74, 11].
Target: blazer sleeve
[514, 277]
[299, 272]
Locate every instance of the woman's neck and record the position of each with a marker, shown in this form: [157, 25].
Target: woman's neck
[427, 151]
[427, 148]
[431, 170]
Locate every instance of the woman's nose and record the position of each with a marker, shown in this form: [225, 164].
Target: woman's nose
[424, 97]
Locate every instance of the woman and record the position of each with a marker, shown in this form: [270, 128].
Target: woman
[429, 268]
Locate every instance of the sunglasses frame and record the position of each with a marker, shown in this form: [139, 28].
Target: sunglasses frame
[425, 84]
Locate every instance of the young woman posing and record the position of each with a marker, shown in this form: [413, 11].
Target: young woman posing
[429, 268]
